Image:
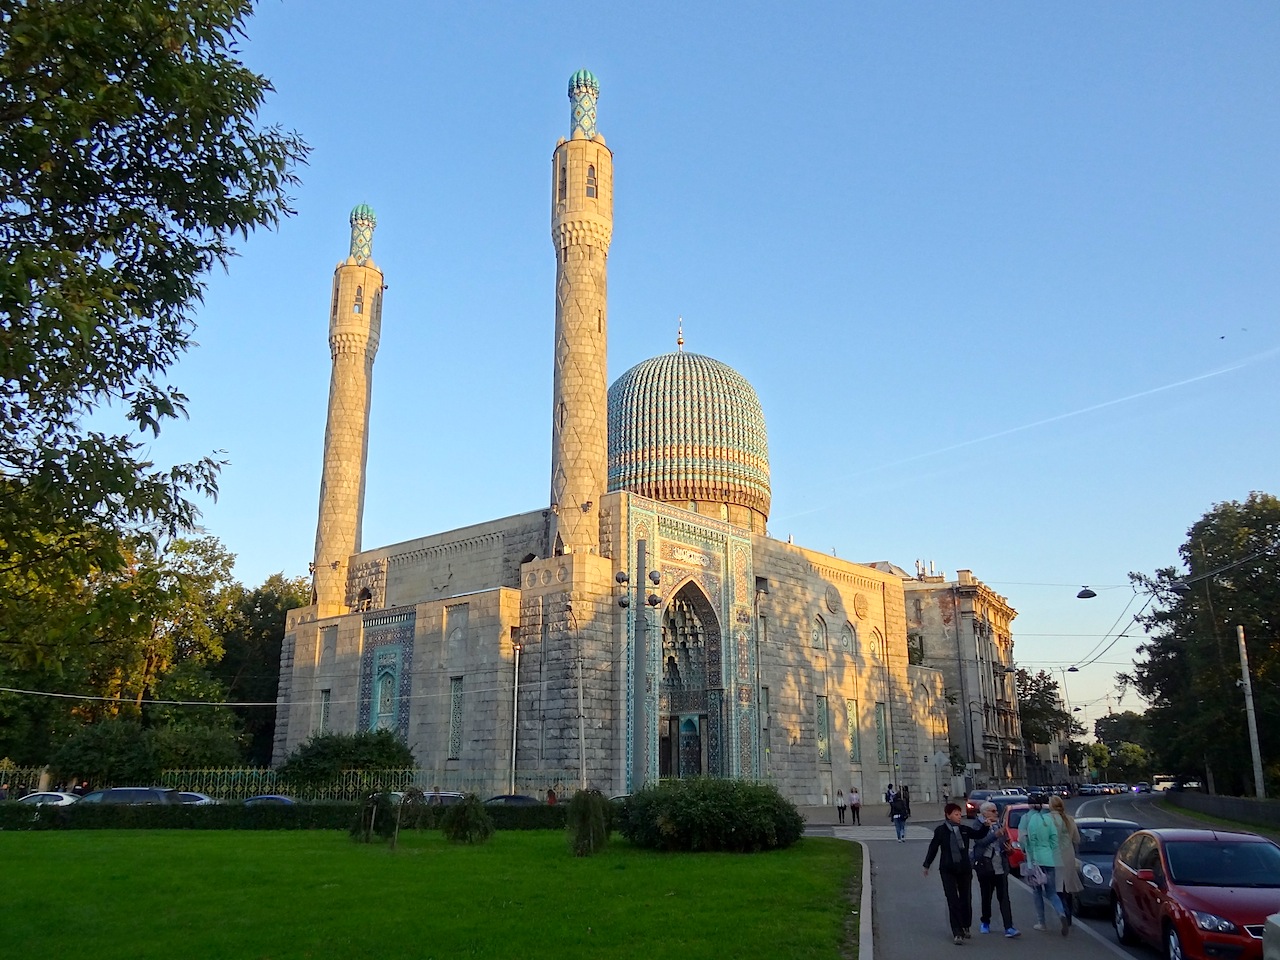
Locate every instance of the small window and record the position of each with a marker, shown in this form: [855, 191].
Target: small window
[563, 189]
[591, 181]
[455, 717]
[326, 699]
[819, 634]
[358, 305]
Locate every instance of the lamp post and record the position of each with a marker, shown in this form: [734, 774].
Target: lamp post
[582, 722]
[515, 711]
[973, 752]
[639, 698]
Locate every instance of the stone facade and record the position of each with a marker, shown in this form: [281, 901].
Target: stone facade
[963, 629]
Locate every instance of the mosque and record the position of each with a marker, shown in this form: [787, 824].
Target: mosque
[642, 624]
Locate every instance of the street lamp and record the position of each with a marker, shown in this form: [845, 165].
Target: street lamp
[639, 698]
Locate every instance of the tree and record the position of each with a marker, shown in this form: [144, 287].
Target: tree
[1099, 760]
[130, 159]
[1115, 728]
[1134, 762]
[249, 670]
[1189, 668]
[1039, 708]
[323, 757]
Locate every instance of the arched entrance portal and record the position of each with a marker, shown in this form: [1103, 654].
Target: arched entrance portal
[689, 628]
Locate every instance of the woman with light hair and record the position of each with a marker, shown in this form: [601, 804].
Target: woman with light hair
[1066, 870]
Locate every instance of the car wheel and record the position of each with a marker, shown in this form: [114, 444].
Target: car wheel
[1121, 923]
[1172, 944]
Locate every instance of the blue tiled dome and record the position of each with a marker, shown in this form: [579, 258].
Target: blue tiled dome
[684, 427]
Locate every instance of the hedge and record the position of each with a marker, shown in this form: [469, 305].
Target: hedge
[319, 815]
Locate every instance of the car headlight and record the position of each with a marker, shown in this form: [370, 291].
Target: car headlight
[1015, 844]
[1213, 923]
[1091, 873]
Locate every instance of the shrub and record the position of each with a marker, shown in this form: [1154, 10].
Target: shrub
[323, 758]
[467, 822]
[711, 814]
[588, 823]
[330, 815]
[376, 815]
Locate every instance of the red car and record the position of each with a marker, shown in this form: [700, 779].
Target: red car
[1198, 894]
[1010, 817]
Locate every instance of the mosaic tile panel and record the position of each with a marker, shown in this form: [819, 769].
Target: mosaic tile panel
[387, 634]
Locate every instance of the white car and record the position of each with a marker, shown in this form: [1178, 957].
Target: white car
[51, 798]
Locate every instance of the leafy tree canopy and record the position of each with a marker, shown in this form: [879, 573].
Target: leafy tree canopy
[1189, 668]
[130, 159]
[1115, 728]
[1040, 711]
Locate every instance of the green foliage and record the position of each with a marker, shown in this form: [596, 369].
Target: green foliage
[111, 752]
[326, 755]
[706, 814]
[1099, 760]
[376, 816]
[330, 815]
[191, 746]
[1116, 728]
[467, 822]
[589, 823]
[1042, 717]
[1189, 668]
[956, 758]
[1133, 761]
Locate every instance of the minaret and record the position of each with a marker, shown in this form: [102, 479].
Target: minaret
[355, 323]
[581, 228]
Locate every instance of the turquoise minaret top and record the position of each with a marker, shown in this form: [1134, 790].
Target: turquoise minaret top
[584, 90]
[363, 220]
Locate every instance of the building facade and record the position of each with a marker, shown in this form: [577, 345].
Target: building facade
[642, 624]
[963, 629]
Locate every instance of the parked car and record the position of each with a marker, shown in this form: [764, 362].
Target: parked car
[1090, 790]
[1010, 817]
[51, 798]
[436, 798]
[974, 801]
[113, 795]
[270, 799]
[1100, 838]
[190, 796]
[513, 800]
[1197, 894]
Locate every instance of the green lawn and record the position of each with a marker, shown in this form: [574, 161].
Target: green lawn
[256, 894]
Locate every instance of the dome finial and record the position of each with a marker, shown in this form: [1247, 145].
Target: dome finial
[363, 220]
[584, 90]
[680, 334]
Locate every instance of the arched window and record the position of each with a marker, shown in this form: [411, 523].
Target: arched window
[849, 639]
[358, 305]
[591, 181]
[563, 189]
[819, 633]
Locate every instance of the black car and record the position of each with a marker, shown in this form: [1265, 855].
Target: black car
[513, 800]
[114, 795]
[1100, 838]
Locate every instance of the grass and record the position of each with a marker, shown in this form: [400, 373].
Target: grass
[1210, 820]
[295, 894]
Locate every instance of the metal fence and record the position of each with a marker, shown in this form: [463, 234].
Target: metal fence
[241, 782]
[24, 780]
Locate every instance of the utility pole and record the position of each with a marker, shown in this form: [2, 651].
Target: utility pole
[1259, 784]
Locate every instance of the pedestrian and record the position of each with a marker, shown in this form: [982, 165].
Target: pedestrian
[889, 793]
[950, 844]
[898, 813]
[4, 791]
[855, 806]
[840, 805]
[991, 867]
[946, 795]
[551, 797]
[1066, 870]
[1038, 834]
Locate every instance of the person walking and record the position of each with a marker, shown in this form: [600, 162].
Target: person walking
[855, 806]
[991, 866]
[898, 813]
[840, 805]
[950, 844]
[1066, 870]
[1038, 834]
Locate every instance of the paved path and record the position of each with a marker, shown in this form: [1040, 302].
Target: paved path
[909, 913]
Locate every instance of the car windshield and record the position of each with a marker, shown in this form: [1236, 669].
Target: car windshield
[1103, 839]
[1223, 863]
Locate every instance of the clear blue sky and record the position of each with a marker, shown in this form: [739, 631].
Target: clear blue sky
[1003, 275]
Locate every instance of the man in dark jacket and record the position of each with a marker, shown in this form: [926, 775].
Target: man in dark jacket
[950, 844]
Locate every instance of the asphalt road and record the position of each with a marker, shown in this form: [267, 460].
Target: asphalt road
[1142, 809]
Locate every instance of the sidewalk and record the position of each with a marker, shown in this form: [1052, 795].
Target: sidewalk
[909, 913]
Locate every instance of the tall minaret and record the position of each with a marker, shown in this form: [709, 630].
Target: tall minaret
[355, 323]
[581, 228]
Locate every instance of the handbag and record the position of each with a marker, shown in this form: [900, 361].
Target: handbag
[1032, 873]
[984, 867]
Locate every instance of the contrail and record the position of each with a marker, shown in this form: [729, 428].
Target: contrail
[1248, 361]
